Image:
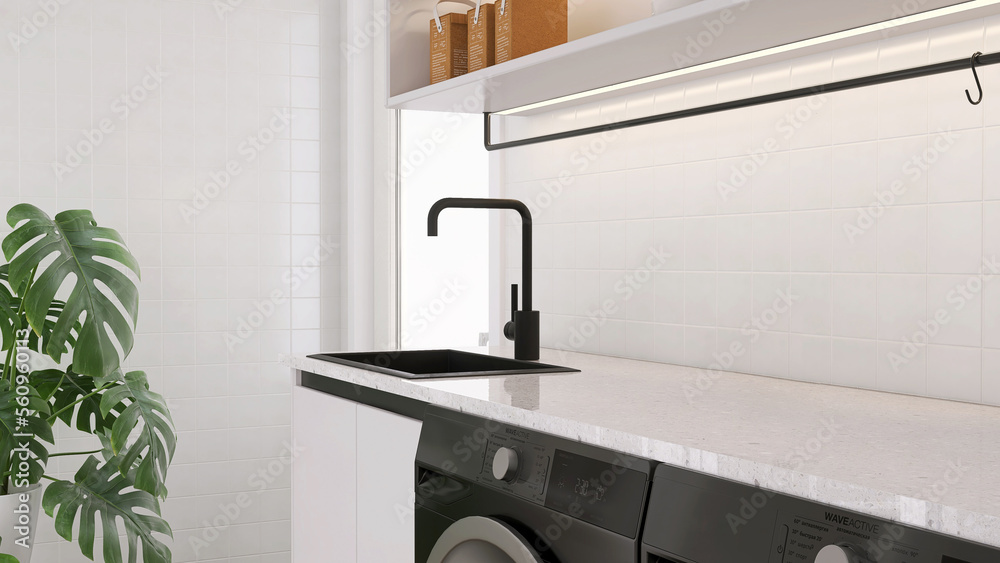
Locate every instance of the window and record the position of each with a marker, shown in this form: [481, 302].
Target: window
[444, 281]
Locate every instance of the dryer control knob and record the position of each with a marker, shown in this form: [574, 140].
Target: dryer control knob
[506, 463]
[841, 553]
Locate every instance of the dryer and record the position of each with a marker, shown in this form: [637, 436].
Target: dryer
[698, 518]
[489, 492]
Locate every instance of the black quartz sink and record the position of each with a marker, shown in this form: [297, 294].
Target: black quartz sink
[433, 364]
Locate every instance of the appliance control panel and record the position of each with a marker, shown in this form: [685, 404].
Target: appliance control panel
[516, 466]
[802, 538]
[738, 522]
[598, 486]
[811, 533]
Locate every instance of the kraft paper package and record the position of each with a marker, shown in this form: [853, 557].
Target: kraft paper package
[482, 36]
[449, 43]
[527, 26]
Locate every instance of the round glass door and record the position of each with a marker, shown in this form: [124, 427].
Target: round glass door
[482, 540]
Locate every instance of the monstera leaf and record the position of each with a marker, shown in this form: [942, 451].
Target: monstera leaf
[143, 431]
[89, 254]
[23, 424]
[73, 397]
[103, 489]
[10, 321]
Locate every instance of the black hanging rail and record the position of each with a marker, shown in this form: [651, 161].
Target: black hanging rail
[978, 59]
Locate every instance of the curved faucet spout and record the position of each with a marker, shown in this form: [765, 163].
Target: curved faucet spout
[487, 203]
[523, 328]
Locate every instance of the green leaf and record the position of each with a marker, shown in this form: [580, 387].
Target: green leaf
[34, 424]
[152, 446]
[103, 489]
[10, 321]
[63, 389]
[85, 251]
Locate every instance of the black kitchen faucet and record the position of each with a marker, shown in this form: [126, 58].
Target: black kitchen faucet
[523, 328]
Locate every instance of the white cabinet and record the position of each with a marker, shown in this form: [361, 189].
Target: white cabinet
[387, 446]
[352, 485]
[324, 495]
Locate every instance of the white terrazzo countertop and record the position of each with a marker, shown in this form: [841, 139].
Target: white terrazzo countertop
[928, 463]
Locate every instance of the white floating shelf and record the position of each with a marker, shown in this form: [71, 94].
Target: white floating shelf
[659, 44]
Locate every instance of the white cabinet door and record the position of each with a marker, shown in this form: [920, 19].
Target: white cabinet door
[387, 448]
[324, 492]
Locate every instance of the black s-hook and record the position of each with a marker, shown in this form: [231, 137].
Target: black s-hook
[975, 59]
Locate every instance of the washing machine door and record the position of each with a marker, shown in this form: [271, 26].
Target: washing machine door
[478, 539]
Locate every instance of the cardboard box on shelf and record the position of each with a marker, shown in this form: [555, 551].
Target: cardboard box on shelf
[482, 36]
[527, 26]
[449, 44]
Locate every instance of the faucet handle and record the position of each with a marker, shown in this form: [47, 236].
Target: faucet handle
[510, 328]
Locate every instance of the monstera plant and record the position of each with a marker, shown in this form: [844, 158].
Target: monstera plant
[68, 309]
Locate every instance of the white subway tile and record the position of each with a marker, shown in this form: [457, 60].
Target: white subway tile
[734, 184]
[771, 296]
[735, 243]
[955, 238]
[854, 174]
[809, 358]
[855, 241]
[811, 312]
[670, 299]
[771, 183]
[771, 246]
[811, 241]
[639, 192]
[991, 377]
[640, 338]
[668, 235]
[700, 244]
[669, 342]
[613, 338]
[699, 346]
[810, 175]
[902, 171]
[954, 373]
[700, 299]
[639, 245]
[955, 166]
[955, 305]
[853, 299]
[902, 368]
[770, 354]
[613, 245]
[902, 240]
[701, 196]
[991, 312]
[735, 299]
[855, 116]
[854, 363]
[902, 306]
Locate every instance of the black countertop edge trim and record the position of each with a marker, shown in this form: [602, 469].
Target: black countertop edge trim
[404, 406]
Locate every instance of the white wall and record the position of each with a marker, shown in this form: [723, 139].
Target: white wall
[860, 294]
[254, 243]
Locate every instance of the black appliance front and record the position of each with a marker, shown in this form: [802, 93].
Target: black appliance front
[481, 483]
[696, 518]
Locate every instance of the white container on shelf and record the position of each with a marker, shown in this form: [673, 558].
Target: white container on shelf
[663, 6]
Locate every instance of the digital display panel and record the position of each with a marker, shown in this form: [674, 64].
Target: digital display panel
[609, 495]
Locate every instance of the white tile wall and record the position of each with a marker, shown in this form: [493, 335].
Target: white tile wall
[206, 278]
[875, 213]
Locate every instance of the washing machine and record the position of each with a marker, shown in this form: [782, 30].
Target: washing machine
[488, 492]
[697, 518]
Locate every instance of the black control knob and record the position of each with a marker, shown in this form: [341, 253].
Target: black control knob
[841, 553]
[506, 464]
